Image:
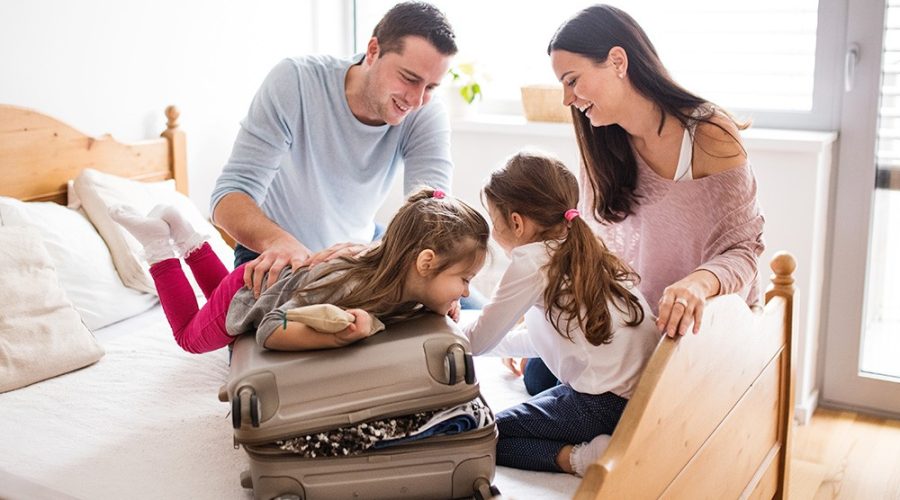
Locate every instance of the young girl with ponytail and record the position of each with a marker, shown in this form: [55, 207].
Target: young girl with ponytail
[584, 316]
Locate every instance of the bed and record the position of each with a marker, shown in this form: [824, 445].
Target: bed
[710, 418]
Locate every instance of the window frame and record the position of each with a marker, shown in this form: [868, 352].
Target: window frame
[828, 77]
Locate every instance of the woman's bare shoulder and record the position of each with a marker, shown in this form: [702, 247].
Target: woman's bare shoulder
[717, 146]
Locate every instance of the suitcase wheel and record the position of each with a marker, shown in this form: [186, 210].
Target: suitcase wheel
[456, 354]
[246, 479]
[485, 490]
[470, 369]
[236, 404]
[254, 410]
[236, 413]
[451, 368]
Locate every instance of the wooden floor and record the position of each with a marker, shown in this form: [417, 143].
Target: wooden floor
[845, 455]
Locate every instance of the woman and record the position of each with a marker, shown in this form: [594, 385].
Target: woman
[665, 179]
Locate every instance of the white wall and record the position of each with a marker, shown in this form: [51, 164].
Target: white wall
[112, 67]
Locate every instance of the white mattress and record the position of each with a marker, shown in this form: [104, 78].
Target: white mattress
[145, 422]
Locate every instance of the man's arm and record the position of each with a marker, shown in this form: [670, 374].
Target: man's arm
[242, 218]
[265, 136]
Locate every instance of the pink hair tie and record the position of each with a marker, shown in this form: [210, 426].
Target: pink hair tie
[438, 194]
[571, 214]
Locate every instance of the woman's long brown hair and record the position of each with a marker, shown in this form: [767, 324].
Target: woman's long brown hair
[455, 232]
[606, 152]
[583, 276]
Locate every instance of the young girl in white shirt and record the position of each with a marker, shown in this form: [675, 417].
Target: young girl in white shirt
[584, 316]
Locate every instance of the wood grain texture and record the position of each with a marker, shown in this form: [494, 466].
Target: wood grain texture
[845, 455]
[713, 406]
[40, 154]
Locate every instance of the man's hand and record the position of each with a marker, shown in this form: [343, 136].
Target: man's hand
[335, 251]
[358, 330]
[284, 252]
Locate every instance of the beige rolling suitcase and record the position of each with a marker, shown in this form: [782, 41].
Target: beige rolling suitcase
[283, 402]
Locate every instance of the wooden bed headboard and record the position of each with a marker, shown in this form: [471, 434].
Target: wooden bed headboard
[711, 416]
[40, 154]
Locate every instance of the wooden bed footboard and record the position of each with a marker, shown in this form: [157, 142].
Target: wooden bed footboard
[711, 416]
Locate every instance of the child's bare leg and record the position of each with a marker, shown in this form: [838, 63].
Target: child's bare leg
[564, 459]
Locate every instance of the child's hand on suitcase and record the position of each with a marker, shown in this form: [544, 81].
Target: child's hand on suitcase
[454, 311]
[358, 330]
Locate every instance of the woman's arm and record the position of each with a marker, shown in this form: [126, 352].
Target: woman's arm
[731, 256]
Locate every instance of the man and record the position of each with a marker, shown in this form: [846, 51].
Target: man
[316, 156]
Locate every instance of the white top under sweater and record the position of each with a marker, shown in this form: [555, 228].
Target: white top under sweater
[613, 367]
[686, 157]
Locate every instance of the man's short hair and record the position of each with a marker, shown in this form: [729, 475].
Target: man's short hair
[415, 19]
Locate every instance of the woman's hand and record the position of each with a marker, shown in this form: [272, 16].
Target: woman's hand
[358, 330]
[682, 302]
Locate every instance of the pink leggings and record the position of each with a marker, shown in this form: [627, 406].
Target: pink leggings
[197, 329]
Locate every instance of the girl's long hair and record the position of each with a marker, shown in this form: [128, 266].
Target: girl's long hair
[583, 276]
[375, 279]
[606, 151]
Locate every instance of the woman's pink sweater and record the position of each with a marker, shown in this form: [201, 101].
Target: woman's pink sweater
[712, 223]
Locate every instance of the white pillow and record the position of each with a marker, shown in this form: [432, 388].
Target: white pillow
[97, 191]
[84, 266]
[41, 335]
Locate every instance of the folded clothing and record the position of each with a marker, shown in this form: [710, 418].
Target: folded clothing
[384, 433]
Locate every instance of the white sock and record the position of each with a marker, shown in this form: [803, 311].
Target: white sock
[585, 454]
[184, 237]
[151, 232]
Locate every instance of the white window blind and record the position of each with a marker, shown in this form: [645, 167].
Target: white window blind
[888, 156]
[742, 55]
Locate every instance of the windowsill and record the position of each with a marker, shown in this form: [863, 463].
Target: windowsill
[754, 138]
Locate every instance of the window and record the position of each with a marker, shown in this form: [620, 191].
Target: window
[755, 58]
[888, 157]
[881, 343]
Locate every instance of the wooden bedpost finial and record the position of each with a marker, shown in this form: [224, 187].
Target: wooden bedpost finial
[783, 265]
[172, 114]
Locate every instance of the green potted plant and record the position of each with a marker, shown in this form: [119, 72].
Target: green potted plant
[463, 79]
[464, 90]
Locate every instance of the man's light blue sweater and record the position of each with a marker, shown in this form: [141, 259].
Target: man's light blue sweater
[317, 171]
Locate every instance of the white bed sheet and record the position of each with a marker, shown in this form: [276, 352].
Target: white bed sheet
[145, 422]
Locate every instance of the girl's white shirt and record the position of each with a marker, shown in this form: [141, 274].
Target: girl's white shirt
[613, 367]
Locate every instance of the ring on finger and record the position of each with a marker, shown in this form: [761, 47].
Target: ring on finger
[682, 301]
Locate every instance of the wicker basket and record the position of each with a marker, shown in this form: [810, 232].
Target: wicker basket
[543, 103]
